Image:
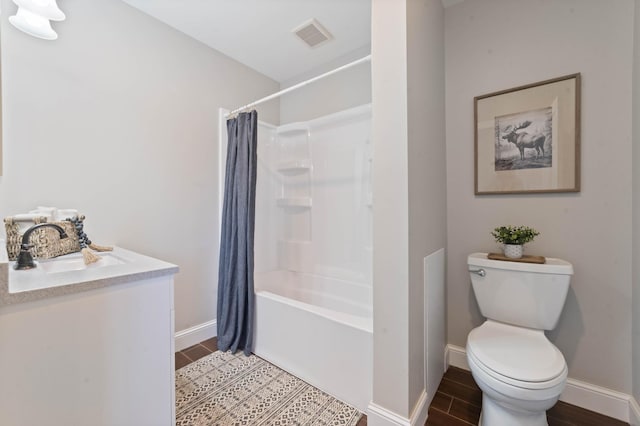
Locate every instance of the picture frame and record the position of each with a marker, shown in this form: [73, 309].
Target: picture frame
[527, 139]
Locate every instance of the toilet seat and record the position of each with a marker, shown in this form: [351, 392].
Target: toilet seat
[516, 356]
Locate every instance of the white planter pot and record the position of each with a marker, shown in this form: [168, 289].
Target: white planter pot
[513, 251]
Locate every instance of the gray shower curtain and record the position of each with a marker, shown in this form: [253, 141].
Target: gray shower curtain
[236, 303]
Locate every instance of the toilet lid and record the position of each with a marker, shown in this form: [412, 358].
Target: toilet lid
[518, 353]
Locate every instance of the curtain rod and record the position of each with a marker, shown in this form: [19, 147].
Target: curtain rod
[299, 85]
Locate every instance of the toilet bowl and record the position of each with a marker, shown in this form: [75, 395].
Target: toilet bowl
[520, 372]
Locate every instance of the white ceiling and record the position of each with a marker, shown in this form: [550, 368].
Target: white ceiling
[258, 33]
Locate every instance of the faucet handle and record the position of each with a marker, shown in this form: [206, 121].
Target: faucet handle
[25, 259]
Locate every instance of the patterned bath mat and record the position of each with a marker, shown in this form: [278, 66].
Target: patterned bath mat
[226, 389]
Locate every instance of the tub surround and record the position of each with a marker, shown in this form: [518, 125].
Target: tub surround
[313, 251]
[36, 284]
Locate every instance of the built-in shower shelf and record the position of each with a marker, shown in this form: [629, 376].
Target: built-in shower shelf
[294, 202]
[294, 166]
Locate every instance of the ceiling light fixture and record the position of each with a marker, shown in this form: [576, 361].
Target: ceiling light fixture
[34, 16]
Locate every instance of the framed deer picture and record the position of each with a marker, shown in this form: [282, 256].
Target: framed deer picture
[527, 139]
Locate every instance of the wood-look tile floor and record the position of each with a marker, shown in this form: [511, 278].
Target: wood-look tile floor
[457, 402]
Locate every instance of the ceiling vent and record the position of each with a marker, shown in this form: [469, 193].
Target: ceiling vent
[312, 33]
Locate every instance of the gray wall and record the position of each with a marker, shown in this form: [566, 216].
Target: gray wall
[119, 119]
[636, 205]
[340, 91]
[498, 44]
[426, 165]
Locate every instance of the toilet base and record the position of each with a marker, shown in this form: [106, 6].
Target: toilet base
[495, 414]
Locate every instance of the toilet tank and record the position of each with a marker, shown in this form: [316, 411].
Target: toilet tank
[524, 294]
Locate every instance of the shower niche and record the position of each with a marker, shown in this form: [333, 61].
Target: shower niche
[294, 198]
[295, 166]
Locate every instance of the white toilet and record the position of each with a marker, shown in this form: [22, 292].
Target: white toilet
[520, 372]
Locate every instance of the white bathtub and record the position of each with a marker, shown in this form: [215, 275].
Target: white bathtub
[318, 329]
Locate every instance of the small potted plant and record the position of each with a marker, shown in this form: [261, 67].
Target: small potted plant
[513, 238]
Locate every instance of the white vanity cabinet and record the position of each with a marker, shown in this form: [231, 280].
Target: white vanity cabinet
[103, 355]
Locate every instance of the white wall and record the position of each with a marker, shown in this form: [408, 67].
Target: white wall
[498, 44]
[390, 207]
[409, 193]
[119, 119]
[636, 205]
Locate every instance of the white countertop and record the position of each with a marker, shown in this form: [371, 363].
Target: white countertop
[34, 284]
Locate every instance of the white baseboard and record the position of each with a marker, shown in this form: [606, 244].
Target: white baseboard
[596, 398]
[455, 356]
[195, 334]
[582, 394]
[634, 412]
[419, 415]
[380, 416]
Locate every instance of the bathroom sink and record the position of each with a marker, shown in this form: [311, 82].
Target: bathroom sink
[75, 262]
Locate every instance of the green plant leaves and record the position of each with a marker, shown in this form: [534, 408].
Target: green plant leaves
[514, 234]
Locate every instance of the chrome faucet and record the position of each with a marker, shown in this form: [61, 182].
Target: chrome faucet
[25, 260]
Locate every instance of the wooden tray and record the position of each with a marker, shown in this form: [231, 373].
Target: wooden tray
[524, 259]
